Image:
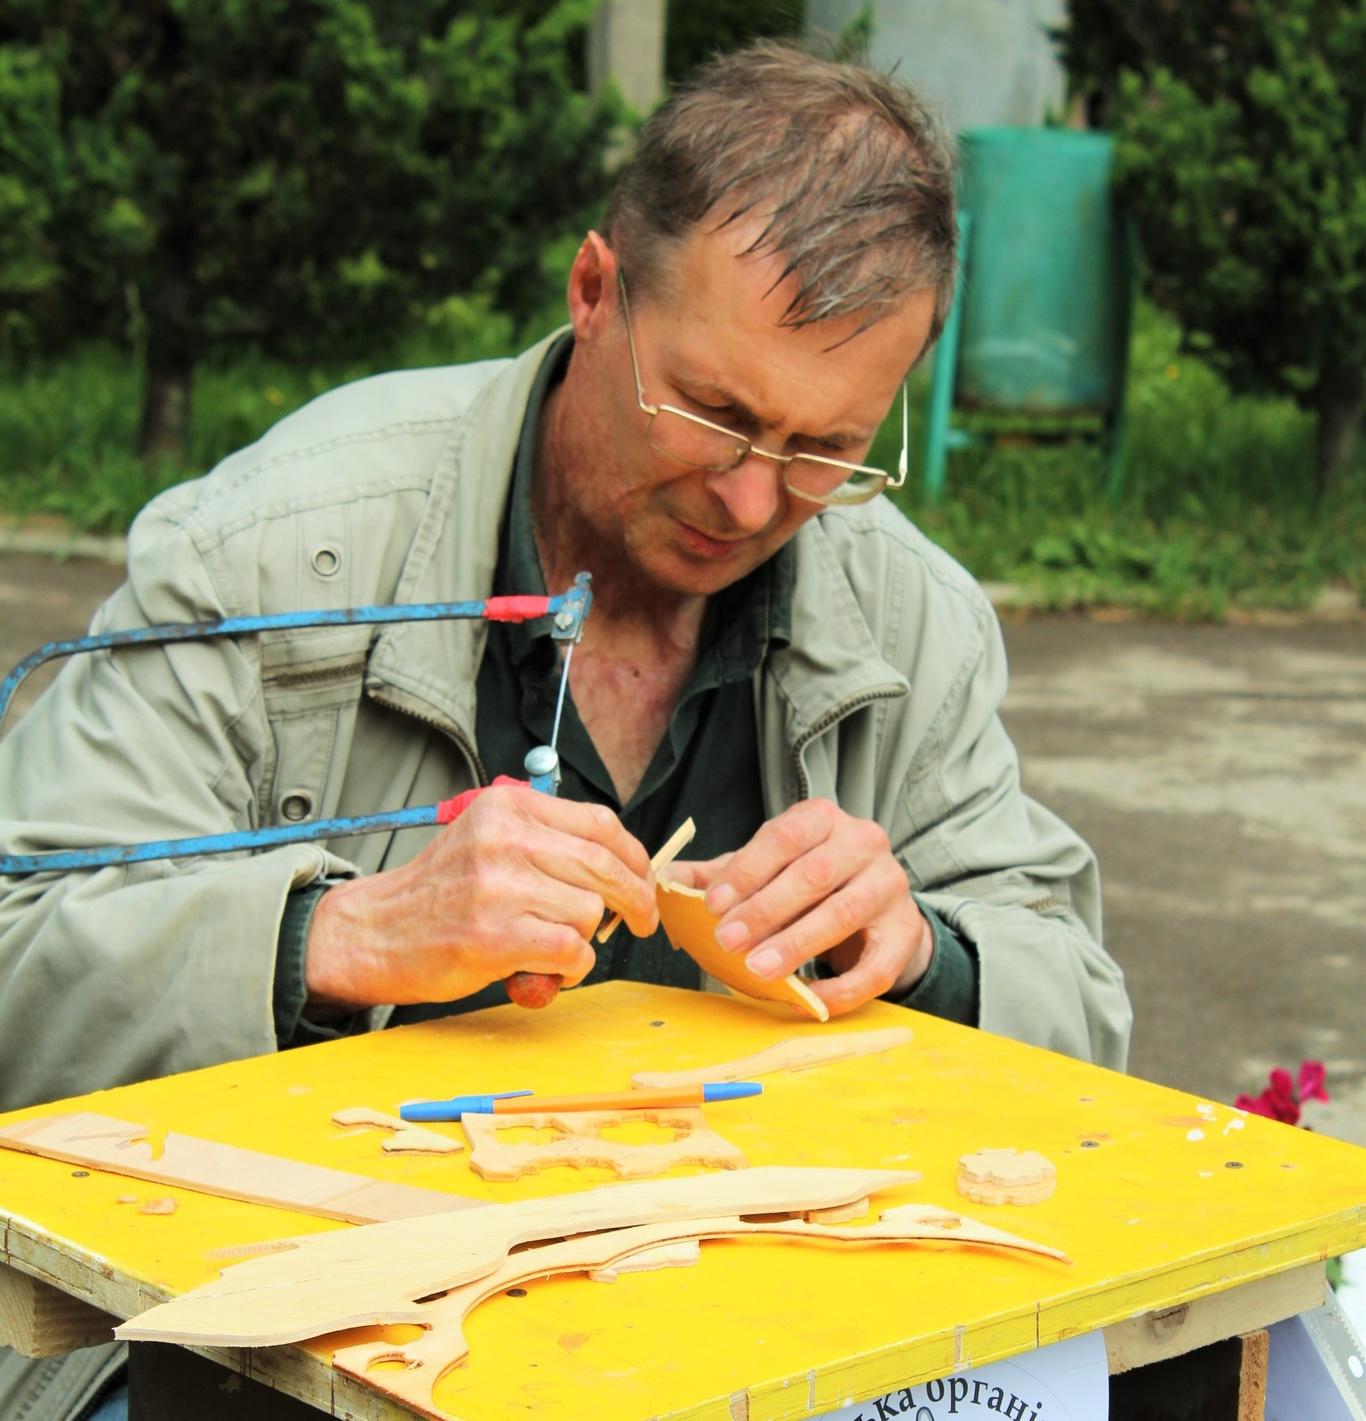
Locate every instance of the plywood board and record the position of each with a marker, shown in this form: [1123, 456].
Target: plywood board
[797, 1053]
[355, 1277]
[165, 1157]
[692, 928]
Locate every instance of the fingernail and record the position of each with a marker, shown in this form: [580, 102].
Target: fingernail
[732, 935]
[765, 962]
[720, 899]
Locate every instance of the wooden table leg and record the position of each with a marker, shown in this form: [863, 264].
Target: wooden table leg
[1225, 1381]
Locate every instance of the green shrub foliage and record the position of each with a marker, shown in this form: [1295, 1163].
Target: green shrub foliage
[308, 177]
[1241, 135]
[699, 29]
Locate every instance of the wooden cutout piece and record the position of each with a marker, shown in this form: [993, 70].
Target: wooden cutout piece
[579, 1143]
[102, 1142]
[407, 1138]
[691, 927]
[797, 1053]
[682, 1254]
[667, 853]
[1006, 1177]
[353, 1277]
[426, 1359]
[840, 1214]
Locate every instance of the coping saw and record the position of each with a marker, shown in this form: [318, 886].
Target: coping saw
[568, 611]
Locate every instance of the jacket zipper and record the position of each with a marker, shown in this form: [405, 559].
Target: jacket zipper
[314, 678]
[832, 717]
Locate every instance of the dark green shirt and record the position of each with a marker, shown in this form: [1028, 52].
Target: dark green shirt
[706, 767]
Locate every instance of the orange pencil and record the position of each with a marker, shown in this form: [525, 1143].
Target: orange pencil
[523, 1102]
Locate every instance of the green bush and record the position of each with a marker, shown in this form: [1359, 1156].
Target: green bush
[1241, 151]
[307, 179]
[699, 29]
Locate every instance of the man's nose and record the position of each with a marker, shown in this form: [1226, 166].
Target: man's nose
[751, 492]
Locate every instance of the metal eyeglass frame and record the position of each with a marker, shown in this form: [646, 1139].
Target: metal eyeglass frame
[745, 447]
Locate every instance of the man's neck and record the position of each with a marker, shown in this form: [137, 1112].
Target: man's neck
[626, 606]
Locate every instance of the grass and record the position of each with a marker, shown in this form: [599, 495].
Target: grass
[1218, 509]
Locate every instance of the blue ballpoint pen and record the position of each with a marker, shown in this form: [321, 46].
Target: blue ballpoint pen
[523, 1102]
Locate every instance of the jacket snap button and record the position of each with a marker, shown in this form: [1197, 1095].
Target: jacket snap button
[296, 805]
[325, 560]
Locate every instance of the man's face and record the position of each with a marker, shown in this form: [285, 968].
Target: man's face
[709, 341]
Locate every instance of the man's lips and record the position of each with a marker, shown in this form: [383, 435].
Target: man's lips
[705, 544]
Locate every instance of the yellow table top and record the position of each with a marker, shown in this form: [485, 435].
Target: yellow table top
[1161, 1198]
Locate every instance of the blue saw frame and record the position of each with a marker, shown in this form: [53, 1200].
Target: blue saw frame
[568, 611]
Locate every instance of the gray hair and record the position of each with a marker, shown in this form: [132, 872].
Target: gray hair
[845, 167]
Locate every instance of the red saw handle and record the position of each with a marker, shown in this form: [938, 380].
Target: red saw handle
[525, 989]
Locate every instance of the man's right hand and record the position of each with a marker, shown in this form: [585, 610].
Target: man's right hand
[518, 883]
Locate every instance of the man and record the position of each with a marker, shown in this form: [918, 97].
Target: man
[772, 648]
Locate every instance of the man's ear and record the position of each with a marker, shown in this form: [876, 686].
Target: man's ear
[592, 291]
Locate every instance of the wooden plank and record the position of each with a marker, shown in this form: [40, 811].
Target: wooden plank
[356, 1277]
[1225, 1381]
[1167, 1332]
[39, 1320]
[123, 1147]
[797, 1053]
[1252, 1375]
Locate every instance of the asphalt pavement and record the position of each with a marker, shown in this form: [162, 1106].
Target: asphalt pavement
[1220, 773]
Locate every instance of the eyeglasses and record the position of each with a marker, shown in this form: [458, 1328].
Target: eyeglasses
[698, 442]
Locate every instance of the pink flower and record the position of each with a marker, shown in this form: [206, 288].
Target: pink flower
[1311, 1081]
[1283, 1096]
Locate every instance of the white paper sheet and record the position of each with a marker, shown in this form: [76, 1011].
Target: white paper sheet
[1068, 1381]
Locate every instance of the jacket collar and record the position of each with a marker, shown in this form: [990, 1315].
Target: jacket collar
[833, 662]
[429, 668]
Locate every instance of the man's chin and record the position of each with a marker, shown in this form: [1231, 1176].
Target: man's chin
[699, 577]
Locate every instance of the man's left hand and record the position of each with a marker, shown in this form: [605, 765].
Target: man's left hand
[816, 882]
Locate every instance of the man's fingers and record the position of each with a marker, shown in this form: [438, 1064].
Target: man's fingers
[583, 845]
[831, 922]
[875, 973]
[694, 873]
[593, 822]
[553, 948]
[592, 866]
[896, 949]
[778, 843]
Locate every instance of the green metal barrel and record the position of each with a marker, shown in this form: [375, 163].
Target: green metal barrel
[1045, 314]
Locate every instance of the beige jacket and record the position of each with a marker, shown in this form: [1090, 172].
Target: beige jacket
[392, 490]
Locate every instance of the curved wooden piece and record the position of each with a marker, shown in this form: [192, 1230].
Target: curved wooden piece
[693, 929]
[428, 1358]
[374, 1274]
[797, 1053]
